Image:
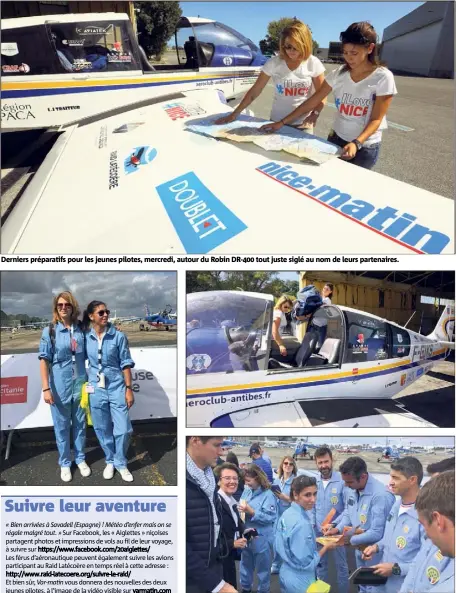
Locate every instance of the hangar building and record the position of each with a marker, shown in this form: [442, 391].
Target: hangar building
[422, 42]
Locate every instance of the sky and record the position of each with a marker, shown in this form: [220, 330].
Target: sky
[125, 293]
[326, 19]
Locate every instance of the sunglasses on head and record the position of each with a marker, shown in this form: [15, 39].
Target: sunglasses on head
[64, 306]
[103, 312]
[355, 38]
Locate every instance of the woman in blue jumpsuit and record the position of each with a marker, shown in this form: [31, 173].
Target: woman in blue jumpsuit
[110, 389]
[62, 368]
[286, 473]
[260, 508]
[295, 542]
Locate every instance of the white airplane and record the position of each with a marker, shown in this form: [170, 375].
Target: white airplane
[345, 373]
[193, 192]
[115, 319]
[89, 61]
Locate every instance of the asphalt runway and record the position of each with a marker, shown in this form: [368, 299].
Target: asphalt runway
[152, 458]
[28, 340]
[424, 156]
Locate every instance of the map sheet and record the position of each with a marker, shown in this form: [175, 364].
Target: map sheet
[288, 139]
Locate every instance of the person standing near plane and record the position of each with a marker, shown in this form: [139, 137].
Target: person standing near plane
[367, 509]
[433, 567]
[260, 508]
[296, 75]
[331, 494]
[286, 473]
[295, 542]
[109, 387]
[404, 535]
[257, 459]
[363, 89]
[62, 367]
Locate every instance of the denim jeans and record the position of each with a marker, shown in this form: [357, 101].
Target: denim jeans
[366, 157]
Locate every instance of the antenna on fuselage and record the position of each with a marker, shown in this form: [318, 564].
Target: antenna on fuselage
[410, 319]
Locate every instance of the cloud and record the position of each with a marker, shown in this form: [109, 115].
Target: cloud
[126, 293]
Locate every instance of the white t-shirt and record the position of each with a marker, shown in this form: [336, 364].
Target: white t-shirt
[283, 320]
[354, 101]
[291, 87]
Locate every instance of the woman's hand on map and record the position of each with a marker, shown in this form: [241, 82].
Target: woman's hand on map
[272, 127]
[349, 151]
[226, 119]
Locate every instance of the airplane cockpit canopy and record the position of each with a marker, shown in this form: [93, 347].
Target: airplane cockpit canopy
[227, 331]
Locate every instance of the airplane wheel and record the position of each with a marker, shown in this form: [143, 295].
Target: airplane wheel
[167, 328]
[378, 460]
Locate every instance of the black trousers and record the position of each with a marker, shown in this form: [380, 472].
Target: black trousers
[215, 566]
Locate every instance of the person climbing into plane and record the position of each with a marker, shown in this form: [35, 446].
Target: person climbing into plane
[363, 89]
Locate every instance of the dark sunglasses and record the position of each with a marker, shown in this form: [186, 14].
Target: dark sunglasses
[104, 312]
[64, 306]
[290, 47]
[287, 463]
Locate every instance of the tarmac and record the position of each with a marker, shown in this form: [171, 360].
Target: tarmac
[418, 146]
[28, 340]
[152, 458]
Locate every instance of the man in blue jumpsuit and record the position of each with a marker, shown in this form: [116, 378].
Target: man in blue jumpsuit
[435, 507]
[331, 494]
[257, 459]
[367, 509]
[404, 535]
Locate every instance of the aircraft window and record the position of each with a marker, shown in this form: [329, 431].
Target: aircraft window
[218, 35]
[27, 51]
[244, 41]
[227, 332]
[401, 342]
[366, 338]
[93, 47]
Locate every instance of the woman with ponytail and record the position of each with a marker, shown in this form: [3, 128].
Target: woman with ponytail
[62, 367]
[109, 387]
[363, 90]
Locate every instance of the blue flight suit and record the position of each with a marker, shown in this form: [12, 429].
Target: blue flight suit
[265, 466]
[335, 495]
[296, 546]
[403, 538]
[367, 509]
[282, 506]
[108, 408]
[258, 553]
[66, 389]
[430, 571]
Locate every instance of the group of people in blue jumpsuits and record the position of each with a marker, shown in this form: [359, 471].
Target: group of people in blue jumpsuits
[403, 532]
[65, 347]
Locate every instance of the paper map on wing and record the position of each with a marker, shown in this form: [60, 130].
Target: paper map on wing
[246, 129]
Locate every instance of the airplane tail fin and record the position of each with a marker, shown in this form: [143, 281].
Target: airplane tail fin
[146, 309]
[444, 330]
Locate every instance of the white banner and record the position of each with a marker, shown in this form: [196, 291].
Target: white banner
[22, 404]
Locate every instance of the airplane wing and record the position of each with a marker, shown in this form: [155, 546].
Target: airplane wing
[160, 188]
[448, 345]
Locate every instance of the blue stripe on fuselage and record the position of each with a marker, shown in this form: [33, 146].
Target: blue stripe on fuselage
[316, 383]
[17, 94]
